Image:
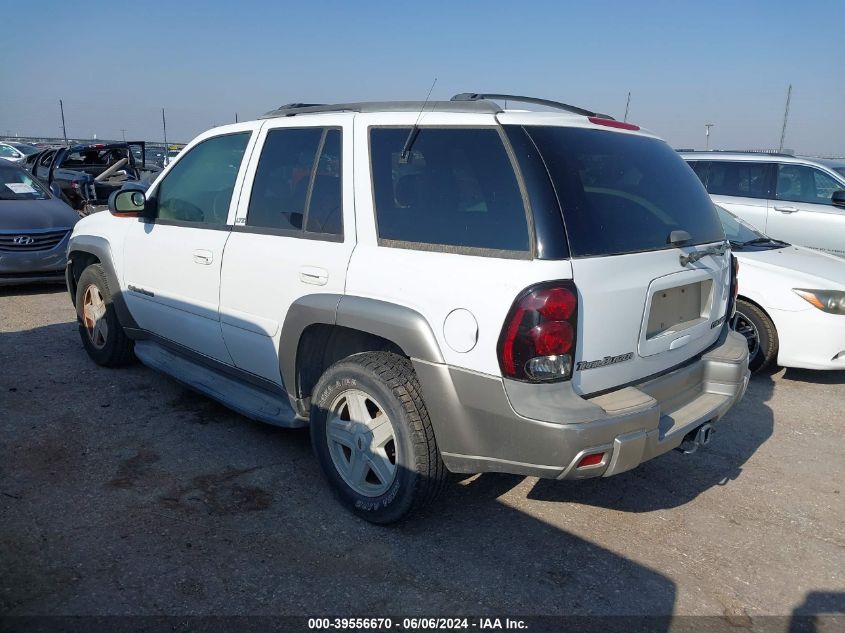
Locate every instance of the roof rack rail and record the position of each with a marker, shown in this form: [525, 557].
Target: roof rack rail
[478, 96]
[294, 106]
[294, 109]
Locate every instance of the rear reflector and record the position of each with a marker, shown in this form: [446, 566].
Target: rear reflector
[590, 460]
[597, 120]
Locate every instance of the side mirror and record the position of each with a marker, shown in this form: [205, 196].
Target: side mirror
[56, 190]
[127, 203]
[838, 198]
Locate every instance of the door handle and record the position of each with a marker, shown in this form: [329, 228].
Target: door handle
[204, 257]
[786, 209]
[314, 275]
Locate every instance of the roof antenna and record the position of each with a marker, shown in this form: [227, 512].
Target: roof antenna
[405, 156]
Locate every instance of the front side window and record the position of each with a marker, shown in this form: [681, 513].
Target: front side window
[623, 193]
[199, 187]
[456, 188]
[297, 183]
[800, 183]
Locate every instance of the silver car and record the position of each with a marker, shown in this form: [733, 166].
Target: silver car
[794, 199]
[35, 226]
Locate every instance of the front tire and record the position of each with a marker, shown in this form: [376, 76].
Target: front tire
[373, 438]
[102, 335]
[759, 331]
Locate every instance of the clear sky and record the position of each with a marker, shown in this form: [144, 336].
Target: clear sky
[116, 64]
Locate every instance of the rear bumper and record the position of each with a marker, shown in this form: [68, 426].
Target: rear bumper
[486, 424]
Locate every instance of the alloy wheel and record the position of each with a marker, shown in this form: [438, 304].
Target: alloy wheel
[361, 442]
[94, 316]
[743, 325]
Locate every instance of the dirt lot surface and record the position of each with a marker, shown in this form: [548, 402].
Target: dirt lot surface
[121, 492]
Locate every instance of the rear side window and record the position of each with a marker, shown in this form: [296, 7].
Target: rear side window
[457, 188]
[741, 179]
[297, 183]
[623, 193]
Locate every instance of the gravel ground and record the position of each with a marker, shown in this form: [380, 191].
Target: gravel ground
[121, 492]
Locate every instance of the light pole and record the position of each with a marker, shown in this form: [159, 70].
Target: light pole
[707, 127]
[123, 131]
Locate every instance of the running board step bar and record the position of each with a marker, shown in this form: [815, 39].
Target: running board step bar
[249, 400]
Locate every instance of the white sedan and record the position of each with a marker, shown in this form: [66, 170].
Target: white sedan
[791, 304]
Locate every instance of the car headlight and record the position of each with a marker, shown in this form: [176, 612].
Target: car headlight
[831, 301]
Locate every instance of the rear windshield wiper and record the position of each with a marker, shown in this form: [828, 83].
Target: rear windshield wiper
[719, 249]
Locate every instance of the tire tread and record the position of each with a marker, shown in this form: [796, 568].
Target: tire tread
[398, 374]
[395, 374]
[121, 348]
[770, 350]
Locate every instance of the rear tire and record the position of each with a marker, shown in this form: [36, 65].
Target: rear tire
[759, 331]
[373, 438]
[102, 335]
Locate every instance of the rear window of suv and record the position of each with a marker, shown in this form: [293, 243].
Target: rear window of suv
[623, 193]
[456, 189]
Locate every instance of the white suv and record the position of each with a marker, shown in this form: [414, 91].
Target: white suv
[431, 287]
[799, 200]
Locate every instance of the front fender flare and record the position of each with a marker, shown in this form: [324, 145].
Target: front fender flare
[100, 248]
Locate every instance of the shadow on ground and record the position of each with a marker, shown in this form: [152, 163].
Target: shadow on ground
[32, 289]
[124, 493]
[828, 604]
[835, 377]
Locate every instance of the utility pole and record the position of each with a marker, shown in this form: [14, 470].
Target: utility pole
[785, 115]
[123, 131]
[627, 104]
[164, 127]
[236, 117]
[707, 127]
[64, 130]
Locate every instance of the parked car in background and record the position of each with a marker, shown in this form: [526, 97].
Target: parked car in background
[27, 149]
[152, 158]
[469, 289]
[35, 226]
[10, 153]
[791, 303]
[88, 174]
[798, 200]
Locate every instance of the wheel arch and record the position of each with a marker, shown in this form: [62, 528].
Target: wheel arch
[321, 329]
[85, 250]
[747, 299]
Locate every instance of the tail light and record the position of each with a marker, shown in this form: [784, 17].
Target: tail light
[734, 286]
[538, 338]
